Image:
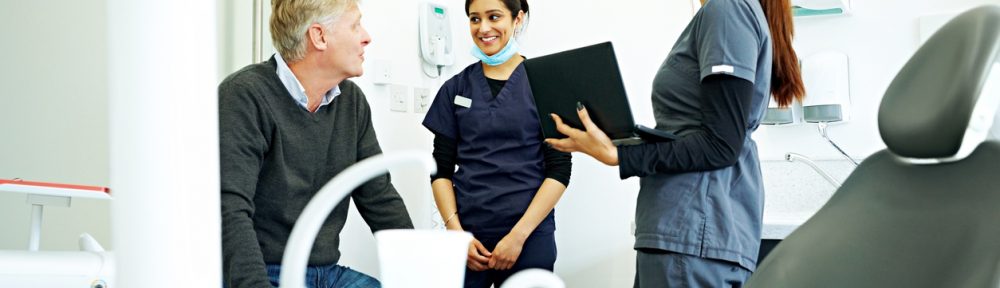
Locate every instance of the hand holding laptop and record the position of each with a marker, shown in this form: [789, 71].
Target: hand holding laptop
[593, 142]
[587, 75]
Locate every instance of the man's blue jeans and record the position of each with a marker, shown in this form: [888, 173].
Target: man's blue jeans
[332, 276]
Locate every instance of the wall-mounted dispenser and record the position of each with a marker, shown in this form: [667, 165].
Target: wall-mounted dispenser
[826, 76]
[775, 115]
[828, 91]
[435, 38]
[801, 8]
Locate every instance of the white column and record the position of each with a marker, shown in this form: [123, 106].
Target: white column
[35, 236]
[164, 143]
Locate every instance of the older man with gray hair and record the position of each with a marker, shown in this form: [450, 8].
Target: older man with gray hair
[286, 127]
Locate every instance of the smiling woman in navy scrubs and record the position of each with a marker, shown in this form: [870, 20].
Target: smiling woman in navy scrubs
[484, 120]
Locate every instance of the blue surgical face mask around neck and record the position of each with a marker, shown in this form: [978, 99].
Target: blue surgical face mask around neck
[501, 57]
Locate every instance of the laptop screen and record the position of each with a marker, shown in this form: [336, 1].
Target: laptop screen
[589, 75]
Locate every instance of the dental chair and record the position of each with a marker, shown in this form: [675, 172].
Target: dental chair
[925, 212]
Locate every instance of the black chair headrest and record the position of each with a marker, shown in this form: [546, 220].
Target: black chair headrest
[929, 111]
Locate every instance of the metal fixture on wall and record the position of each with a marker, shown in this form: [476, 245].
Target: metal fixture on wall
[822, 132]
[795, 157]
[258, 31]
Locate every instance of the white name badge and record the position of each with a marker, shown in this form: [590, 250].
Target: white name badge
[462, 101]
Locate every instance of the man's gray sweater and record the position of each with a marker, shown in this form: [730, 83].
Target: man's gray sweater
[275, 156]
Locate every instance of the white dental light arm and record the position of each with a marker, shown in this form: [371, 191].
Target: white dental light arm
[300, 242]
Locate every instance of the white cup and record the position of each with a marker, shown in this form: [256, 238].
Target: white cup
[422, 258]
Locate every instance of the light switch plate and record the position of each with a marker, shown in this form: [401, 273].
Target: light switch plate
[398, 98]
[421, 99]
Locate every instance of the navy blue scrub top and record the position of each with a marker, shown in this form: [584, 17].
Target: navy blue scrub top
[713, 214]
[500, 161]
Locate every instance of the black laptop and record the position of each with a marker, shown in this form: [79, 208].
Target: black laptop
[588, 75]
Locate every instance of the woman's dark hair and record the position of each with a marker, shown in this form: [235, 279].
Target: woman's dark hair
[786, 79]
[512, 5]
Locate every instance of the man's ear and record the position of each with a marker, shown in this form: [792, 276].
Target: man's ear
[316, 36]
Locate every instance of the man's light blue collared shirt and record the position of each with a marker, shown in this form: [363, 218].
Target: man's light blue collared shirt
[295, 88]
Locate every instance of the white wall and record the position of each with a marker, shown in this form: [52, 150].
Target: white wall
[235, 35]
[54, 116]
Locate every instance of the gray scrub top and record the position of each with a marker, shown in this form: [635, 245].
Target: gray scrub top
[712, 214]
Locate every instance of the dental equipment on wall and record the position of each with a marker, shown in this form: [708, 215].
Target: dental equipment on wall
[826, 76]
[802, 8]
[775, 115]
[92, 266]
[407, 258]
[435, 38]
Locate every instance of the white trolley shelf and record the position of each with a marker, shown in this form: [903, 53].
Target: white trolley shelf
[41, 194]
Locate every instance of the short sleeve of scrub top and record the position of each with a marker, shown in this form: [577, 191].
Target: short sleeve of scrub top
[440, 118]
[728, 41]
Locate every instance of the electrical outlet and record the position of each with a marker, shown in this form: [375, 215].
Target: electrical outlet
[421, 99]
[398, 98]
[382, 73]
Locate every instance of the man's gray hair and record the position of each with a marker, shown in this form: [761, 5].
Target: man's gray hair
[290, 21]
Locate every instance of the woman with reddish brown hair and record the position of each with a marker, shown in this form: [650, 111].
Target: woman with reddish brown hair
[701, 198]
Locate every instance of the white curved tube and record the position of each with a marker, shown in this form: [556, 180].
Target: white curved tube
[534, 278]
[89, 244]
[793, 157]
[300, 242]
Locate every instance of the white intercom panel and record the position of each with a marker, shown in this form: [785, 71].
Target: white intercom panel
[435, 38]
